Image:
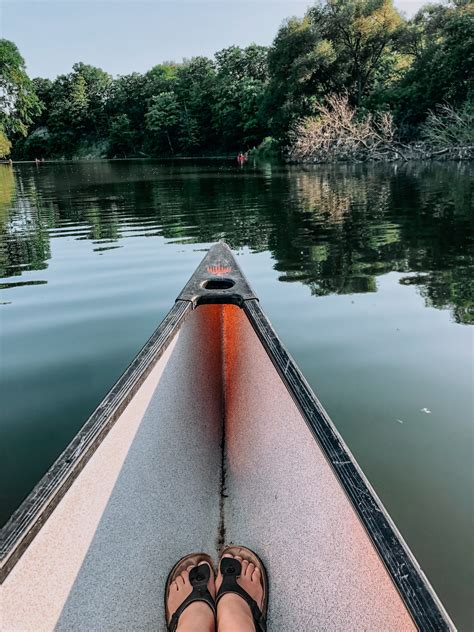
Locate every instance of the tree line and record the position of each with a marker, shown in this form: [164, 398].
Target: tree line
[364, 50]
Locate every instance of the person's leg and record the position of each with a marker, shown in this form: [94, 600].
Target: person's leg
[198, 616]
[233, 613]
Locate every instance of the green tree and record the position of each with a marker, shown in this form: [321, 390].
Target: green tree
[361, 32]
[188, 134]
[91, 88]
[302, 68]
[242, 76]
[252, 92]
[121, 137]
[75, 108]
[18, 101]
[44, 93]
[67, 117]
[160, 78]
[162, 120]
[5, 145]
[127, 98]
[339, 46]
[132, 95]
[37, 144]
[194, 88]
[442, 47]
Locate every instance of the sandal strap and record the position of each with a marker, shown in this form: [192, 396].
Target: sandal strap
[199, 578]
[231, 569]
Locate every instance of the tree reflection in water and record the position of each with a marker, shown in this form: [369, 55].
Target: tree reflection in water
[333, 228]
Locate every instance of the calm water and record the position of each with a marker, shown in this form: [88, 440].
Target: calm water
[365, 272]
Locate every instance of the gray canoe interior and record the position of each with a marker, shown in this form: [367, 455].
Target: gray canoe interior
[152, 493]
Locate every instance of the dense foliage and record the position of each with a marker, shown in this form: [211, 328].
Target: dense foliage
[362, 49]
[18, 101]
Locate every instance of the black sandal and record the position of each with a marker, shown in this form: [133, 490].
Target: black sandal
[231, 570]
[199, 577]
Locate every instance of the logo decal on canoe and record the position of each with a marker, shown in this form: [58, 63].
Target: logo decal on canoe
[218, 270]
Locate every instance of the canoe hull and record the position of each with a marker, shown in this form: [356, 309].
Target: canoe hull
[203, 443]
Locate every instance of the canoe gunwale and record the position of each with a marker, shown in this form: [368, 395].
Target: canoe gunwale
[31, 515]
[419, 597]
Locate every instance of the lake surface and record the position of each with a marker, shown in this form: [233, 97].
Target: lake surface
[366, 273]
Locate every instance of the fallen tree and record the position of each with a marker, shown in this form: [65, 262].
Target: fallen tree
[339, 133]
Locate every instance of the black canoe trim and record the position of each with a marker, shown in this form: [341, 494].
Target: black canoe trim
[419, 597]
[31, 515]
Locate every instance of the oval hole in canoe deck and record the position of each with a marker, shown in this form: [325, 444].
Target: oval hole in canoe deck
[218, 284]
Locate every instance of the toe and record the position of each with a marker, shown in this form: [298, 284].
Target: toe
[250, 569]
[257, 575]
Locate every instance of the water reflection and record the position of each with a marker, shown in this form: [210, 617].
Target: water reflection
[24, 240]
[334, 229]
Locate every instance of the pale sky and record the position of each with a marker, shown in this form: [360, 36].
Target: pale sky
[122, 36]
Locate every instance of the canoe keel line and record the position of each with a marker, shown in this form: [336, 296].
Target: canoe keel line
[279, 488]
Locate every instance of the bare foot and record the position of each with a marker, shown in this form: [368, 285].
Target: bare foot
[233, 613]
[198, 616]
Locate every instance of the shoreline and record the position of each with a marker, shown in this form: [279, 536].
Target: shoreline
[134, 159]
[461, 154]
[398, 153]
